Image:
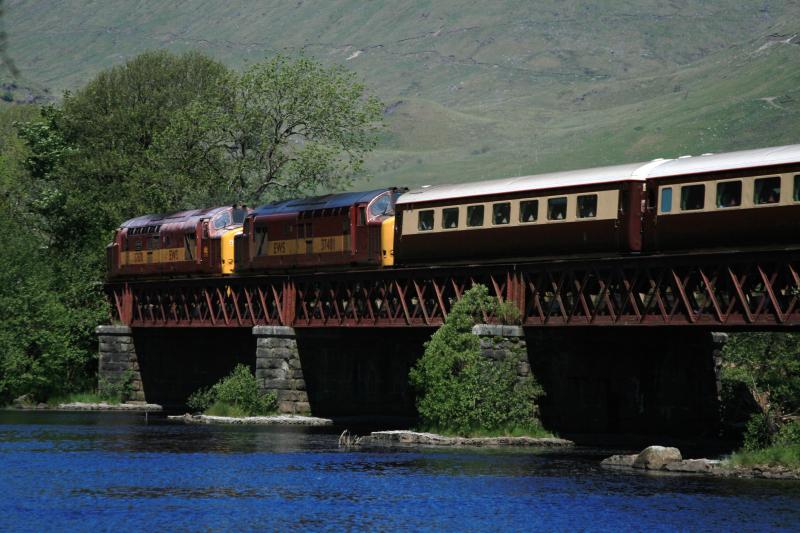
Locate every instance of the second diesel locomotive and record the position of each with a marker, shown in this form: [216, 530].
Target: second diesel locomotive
[747, 199]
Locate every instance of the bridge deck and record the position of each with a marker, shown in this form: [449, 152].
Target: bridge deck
[713, 290]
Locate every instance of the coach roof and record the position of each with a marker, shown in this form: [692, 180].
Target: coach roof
[551, 180]
[761, 157]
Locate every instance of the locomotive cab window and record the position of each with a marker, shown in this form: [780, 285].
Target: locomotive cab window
[587, 206]
[381, 206]
[222, 221]
[501, 213]
[450, 218]
[666, 199]
[767, 191]
[729, 194]
[693, 197]
[475, 216]
[528, 211]
[796, 195]
[425, 221]
[557, 208]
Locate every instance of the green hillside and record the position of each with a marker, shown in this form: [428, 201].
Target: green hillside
[478, 89]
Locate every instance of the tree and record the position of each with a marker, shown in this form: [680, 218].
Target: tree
[768, 364]
[462, 391]
[283, 127]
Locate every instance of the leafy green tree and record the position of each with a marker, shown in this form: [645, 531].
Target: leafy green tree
[283, 127]
[42, 350]
[768, 364]
[462, 391]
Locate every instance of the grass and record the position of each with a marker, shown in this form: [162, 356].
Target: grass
[787, 456]
[535, 431]
[480, 90]
[82, 397]
[219, 408]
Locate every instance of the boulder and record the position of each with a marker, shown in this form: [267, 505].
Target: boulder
[620, 460]
[26, 400]
[656, 457]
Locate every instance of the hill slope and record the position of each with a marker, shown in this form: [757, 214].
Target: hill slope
[479, 90]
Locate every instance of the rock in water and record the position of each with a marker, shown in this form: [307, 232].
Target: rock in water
[620, 460]
[657, 457]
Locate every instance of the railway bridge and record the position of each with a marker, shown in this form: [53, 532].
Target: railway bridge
[628, 343]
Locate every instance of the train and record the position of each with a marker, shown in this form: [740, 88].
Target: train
[747, 199]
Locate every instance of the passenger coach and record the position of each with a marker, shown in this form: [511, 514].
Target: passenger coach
[564, 213]
[747, 199]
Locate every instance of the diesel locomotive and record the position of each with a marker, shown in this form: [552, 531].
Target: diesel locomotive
[739, 200]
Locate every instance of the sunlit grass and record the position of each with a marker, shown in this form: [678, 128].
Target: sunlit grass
[788, 456]
[531, 430]
[225, 409]
[81, 397]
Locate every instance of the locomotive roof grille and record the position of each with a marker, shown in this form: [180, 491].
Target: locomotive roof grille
[319, 203]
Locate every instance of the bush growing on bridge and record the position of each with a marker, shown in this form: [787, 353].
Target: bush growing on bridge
[462, 392]
[234, 395]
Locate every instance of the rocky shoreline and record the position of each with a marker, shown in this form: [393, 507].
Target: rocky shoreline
[665, 459]
[414, 438]
[86, 406]
[271, 420]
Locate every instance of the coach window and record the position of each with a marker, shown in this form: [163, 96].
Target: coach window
[425, 221]
[475, 216]
[729, 194]
[450, 218]
[528, 210]
[666, 199]
[587, 206]
[796, 195]
[767, 191]
[693, 197]
[557, 208]
[501, 213]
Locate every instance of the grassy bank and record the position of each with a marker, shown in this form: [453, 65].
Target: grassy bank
[786, 456]
[82, 397]
[534, 431]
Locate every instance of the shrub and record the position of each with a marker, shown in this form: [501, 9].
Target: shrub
[788, 434]
[236, 393]
[117, 390]
[757, 434]
[459, 390]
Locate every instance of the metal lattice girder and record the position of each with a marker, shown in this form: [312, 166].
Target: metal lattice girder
[757, 289]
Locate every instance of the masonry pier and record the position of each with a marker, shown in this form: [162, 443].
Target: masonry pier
[278, 368]
[118, 364]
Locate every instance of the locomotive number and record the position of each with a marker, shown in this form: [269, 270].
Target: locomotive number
[327, 244]
[279, 248]
[138, 257]
[172, 255]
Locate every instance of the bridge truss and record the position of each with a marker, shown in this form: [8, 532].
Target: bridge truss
[715, 290]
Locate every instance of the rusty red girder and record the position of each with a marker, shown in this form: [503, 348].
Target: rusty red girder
[719, 290]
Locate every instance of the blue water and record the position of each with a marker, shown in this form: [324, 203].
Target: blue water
[112, 472]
